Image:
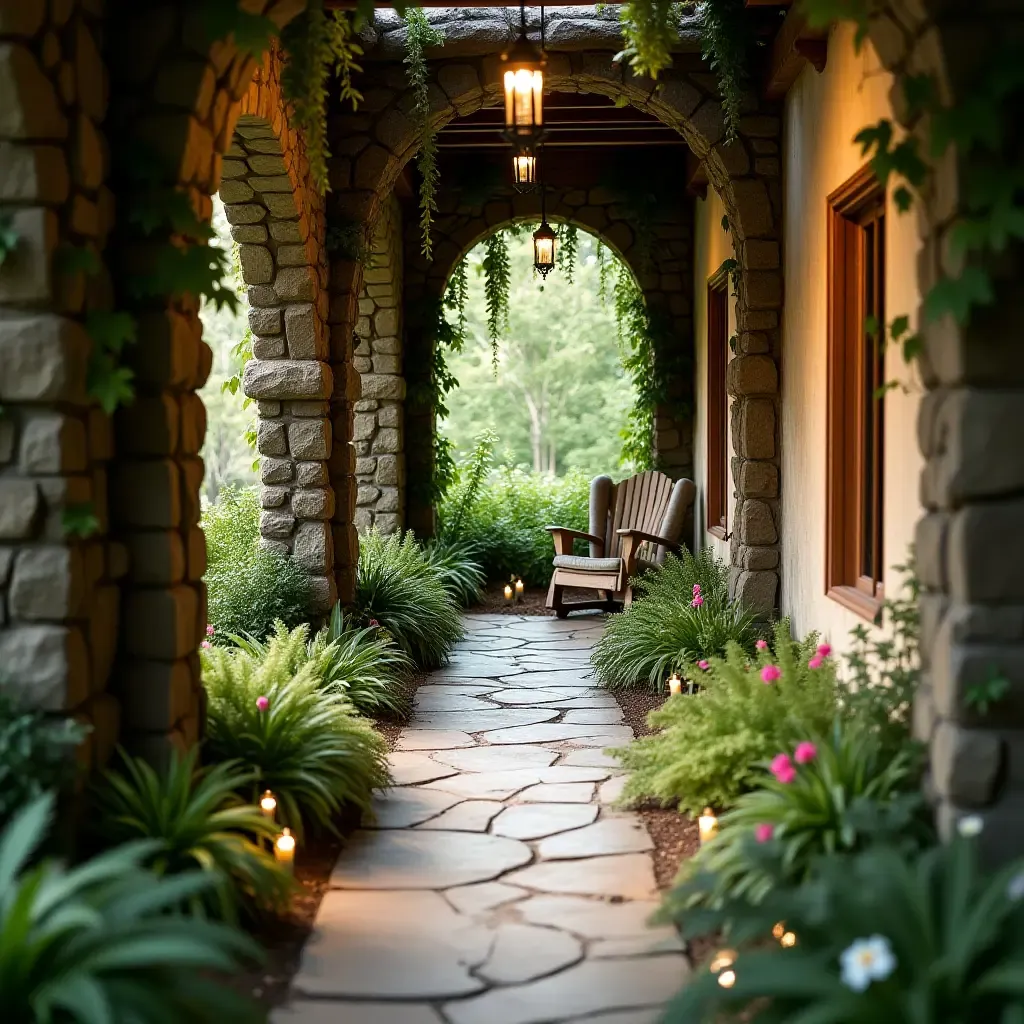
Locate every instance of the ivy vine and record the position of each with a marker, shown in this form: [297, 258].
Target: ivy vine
[567, 249]
[420, 35]
[497, 286]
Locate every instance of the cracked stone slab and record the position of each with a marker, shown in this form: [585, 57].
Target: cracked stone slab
[488, 785]
[525, 695]
[468, 816]
[411, 768]
[555, 732]
[475, 666]
[602, 839]
[591, 758]
[433, 739]
[594, 919]
[559, 793]
[478, 899]
[414, 859]
[628, 875]
[427, 703]
[535, 821]
[550, 680]
[570, 773]
[409, 805]
[655, 941]
[496, 759]
[611, 791]
[485, 645]
[319, 1011]
[593, 716]
[469, 688]
[391, 945]
[646, 1015]
[524, 952]
[484, 720]
[587, 988]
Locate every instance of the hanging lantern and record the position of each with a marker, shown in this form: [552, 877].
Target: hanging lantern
[524, 170]
[543, 249]
[524, 86]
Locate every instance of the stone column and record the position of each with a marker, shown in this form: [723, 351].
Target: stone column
[379, 428]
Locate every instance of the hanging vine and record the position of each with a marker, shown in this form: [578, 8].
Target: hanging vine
[568, 249]
[650, 29]
[497, 286]
[455, 298]
[420, 35]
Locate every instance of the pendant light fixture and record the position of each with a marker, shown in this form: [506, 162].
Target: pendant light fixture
[543, 242]
[524, 65]
[524, 169]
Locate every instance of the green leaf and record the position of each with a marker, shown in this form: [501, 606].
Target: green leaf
[903, 198]
[899, 327]
[73, 259]
[957, 295]
[79, 520]
[108, 383]
[111, 331]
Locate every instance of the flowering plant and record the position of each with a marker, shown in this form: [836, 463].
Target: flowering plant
[879, 936]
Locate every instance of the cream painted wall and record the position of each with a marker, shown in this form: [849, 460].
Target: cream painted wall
[712, 247]
[822, 115]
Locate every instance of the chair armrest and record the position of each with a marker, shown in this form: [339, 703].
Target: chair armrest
[641, 535]
[563, 538]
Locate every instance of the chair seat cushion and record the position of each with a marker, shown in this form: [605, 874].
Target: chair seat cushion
[582, 563]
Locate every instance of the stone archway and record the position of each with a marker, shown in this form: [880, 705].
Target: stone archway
[372, 150]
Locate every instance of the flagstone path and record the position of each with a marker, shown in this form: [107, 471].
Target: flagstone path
[499, 885]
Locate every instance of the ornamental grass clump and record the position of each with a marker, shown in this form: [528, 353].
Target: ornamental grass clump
[398, 588]
[681, 615]
[749, 707]
[300, 738]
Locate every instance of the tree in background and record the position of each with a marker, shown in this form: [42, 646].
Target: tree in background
[560, 399]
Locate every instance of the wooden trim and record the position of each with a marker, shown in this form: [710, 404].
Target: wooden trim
[717, 494]
[856, 218]
[795, 45]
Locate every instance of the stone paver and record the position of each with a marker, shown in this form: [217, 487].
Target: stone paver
[498, 885]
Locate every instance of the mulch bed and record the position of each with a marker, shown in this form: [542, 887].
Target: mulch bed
[531, 603]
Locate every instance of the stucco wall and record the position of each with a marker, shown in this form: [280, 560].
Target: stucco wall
[823, 112]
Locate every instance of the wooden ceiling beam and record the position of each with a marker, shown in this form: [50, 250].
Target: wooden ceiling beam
[795, 45]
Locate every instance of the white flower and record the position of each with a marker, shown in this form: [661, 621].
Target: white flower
[865, 961]
[970, 826]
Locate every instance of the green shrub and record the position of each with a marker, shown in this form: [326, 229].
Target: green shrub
[300, 738]
[662, 631]
[102, 941]
[364, 663]
[880, 937]
[36, 753]
[460, 573]
[199, 822]
[248, 589]
[710, 743]
[833, 795]
[503, 529]
[399, 589]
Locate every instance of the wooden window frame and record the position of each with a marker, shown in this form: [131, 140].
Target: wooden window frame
[717, 496]
[855, 467]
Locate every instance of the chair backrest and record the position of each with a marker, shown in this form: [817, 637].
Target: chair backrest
[649, 501]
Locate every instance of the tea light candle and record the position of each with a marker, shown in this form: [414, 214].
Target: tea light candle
[268, 805]
[723, 964]
[708, 825]
[519, 590]
[508, 591]
[284, 850]
[675, 684]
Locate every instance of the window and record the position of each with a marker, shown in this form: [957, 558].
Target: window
[718, 405]
[856, 409]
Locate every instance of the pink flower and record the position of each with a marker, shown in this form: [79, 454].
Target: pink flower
[703, 665]
[697, 601]
[696, 589]
[374, 622]
[824, 650]
[262, 703]
[206, 645]
[764, 832]
[815, 662]
[770, 673]
[805, 752]
[209, 629]
[761, 645]
[782, 769]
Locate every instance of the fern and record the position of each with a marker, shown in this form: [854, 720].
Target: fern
[475, 470]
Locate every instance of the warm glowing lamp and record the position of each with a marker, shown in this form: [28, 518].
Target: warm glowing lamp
[284, 850]
[675, 685]
[524, 86]
[708, 825]
[268, 805]
[524, 170]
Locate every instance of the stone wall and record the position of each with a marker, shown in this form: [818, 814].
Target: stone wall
[378, 431]
[59, 593]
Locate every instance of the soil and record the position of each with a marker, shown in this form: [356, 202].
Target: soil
[531, 603]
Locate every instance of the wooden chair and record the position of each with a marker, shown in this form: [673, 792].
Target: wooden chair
[633, 525]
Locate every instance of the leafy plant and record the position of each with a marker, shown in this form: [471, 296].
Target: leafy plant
[879, 936]
[103, 942]
[836, 795]
[79, 520]
[649, 28]
[725, 44]
[748, 709]
[248, 588]
[197, 822]
[982, 696]
[461, 575]
[36, 753]
[300, 738]
[399, 588]
[497, 284]
[473, 474]
[663, 630]
[420, 35]
[568, 249]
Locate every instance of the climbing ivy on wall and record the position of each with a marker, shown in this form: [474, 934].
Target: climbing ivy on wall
[420, 35]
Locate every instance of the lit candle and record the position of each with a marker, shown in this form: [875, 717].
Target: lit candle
[675, 685]
[722, 964]
[519, 590]
[508, 591]
[708, 825]
[284, 851]
[727, 978]
[268, 805]
[788, 939]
